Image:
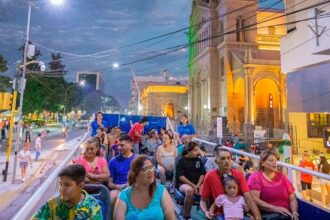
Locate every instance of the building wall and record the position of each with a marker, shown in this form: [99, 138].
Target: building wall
[298, 124]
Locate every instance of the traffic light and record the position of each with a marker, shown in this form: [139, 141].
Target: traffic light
[7, 101]
[1, 99]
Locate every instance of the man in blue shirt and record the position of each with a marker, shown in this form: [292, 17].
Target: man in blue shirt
[98, 122]
[185, 128]
[119, 167]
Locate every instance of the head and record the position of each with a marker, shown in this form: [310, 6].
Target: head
[92, 147]
[72, 180]
[100, 131]
[117, 131]
[27, 146]
[268, 161]
[153, 133]
[323, 160]
[231, 186]
[39, 134]
[99, 116]
[185, 139]
[192, 149]
[144, 120]
[110, 130]
[184, 119]
[223, 160]
[202, 150]
[167, 138]
[125, 144]
[142, 172]
[305, 156]
[162, 130]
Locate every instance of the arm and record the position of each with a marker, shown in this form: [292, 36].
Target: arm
[104, 176]
[294, 206]
[266, 206]
[167, 206]
[200, 181]
[120, 210]
[114, 186]
[252, 205]
[203, 206]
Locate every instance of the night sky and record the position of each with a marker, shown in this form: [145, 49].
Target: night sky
[91, 34]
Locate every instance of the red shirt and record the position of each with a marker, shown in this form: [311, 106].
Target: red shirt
[137, 127]
[275, 192]
[213, 187]
[306, 178]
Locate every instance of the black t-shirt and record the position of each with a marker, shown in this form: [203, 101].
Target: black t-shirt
[191, 168]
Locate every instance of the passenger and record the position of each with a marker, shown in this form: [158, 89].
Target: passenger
[185, 139]
[213, 185]
[96, 167]
[248, 168]
[185, 128]
[103, 141]
[233, 204]
[74, 202]
[210, 163]
[98, 122]
[136, 133]
[119, 167]
[37, 147]
[324, 167]
[24, 159]
[161, 133]
[144, 198]
[152, 142]
[306, 179]
[166, 155]
[113, 139]
[202, 151]
[272, 191]
[190, 174]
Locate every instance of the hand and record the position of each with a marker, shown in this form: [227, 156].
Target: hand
[283, 211]
[295, 216]
[196, 189]
[209, 215]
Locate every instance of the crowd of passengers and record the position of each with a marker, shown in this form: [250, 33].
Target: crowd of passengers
[129, 164]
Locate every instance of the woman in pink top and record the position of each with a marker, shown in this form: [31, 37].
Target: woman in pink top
[96, 167]
[272, 191]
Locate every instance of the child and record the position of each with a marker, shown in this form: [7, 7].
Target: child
[25, 158]
[233, 204]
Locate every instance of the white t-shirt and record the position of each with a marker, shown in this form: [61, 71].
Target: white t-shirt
[38, 143]
[24, 155]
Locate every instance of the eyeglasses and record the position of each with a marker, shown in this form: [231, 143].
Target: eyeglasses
[148, 169]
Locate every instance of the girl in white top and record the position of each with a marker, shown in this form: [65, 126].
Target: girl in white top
[166, 154]
[24, 159]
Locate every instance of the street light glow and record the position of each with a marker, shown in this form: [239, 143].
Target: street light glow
[115, 65]
[82, 83]
[57, 2]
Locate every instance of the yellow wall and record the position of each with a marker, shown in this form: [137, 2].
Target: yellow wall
[298, 121]
[263, 88]
[263, 27]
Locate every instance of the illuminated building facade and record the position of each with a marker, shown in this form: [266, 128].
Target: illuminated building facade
[238, 75]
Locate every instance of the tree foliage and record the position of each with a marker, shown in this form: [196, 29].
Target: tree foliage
[32, 66]
[3, 64]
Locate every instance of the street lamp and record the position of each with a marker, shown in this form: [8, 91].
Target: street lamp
[81, 83]
[139, 106]
[23, 81]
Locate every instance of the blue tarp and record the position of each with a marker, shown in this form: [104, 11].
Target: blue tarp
[124, 121]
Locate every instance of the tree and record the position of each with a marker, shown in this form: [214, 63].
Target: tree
[3, 64]
[56, 64]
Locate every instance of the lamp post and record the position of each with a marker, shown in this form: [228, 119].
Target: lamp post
[139, 107]
[23, 82]
[81, 83]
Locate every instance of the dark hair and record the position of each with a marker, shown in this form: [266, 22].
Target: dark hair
[76, 172]
[136, 166]
[97, 114]
[264, 155]
[96, 142]
[185, 117]
[144, 119]
[229, 178]
[190, 147]
[125, 137]
[152, 132]
[39, 134]
[163, 128]
[202, 148]
[325, 165]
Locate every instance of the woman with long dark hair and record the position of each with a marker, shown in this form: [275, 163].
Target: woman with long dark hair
[324, 167]
[143, 198]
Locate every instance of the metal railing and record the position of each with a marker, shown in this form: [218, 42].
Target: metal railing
[291, 168]
[25, 211]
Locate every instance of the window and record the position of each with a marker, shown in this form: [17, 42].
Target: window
[240, 32]
[316, 123]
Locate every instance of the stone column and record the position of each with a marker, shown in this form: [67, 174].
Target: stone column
[248, 127]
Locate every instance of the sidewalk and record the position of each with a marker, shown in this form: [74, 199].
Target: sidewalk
[10, 191]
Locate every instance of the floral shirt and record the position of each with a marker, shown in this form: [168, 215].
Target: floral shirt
[57, 209]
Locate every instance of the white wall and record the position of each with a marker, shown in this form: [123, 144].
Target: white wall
[296, 50]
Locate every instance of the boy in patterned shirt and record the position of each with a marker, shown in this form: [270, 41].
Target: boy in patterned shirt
[74, 203]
